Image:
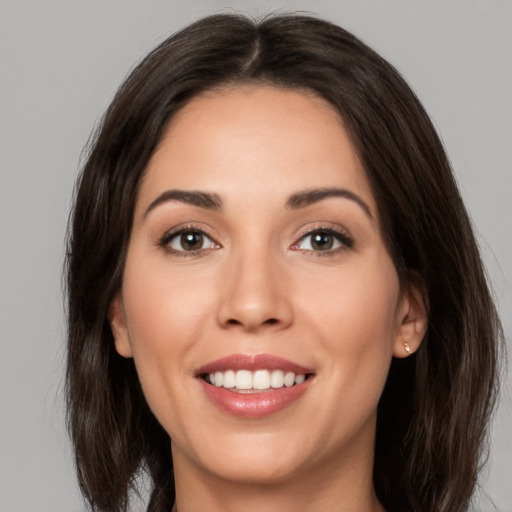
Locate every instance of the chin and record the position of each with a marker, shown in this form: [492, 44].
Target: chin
[255, 469]
[256, 459]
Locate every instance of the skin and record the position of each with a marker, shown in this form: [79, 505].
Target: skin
[260, 287]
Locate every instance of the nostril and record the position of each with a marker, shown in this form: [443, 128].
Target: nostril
[268, 321]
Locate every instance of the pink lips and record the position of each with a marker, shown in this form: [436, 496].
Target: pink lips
[252, 363]
[256, 404]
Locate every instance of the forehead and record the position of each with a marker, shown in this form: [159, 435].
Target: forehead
[255, 141]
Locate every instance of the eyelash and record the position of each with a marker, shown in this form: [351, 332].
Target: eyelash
[165, 241]
[345, 240]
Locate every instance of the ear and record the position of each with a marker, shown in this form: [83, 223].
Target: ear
[118, 327]
[412, 319]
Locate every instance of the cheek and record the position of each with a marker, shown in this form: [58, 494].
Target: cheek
[164, 306]
[165, 314]
[355, 315]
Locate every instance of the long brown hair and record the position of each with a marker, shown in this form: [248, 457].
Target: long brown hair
[435, 408]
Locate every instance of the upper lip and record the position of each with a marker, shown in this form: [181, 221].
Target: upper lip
[252, 363]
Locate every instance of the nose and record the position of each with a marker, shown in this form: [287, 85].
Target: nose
[254, 294]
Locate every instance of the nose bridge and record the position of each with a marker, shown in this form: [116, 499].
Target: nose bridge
[254, 294]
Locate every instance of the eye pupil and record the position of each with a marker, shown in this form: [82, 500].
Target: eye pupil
[191, 241]
[322, 241]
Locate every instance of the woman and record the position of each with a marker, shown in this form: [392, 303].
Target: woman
[276, 301]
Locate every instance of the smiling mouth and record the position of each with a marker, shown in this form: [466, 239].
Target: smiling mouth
[254, 386]
[259, 381]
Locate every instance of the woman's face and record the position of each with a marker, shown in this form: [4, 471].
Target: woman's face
[257, 257]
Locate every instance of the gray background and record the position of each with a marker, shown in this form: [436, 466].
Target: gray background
[60, 65]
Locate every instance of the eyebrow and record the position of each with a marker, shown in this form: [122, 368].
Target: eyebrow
[212, 201]
[308, 197]
[195, 198]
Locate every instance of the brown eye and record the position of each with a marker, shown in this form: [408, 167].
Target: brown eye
[189, 241]
[324, 240]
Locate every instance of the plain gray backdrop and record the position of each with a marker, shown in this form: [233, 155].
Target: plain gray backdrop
[60, 63]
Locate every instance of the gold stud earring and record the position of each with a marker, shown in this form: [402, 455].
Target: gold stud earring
[407, 347]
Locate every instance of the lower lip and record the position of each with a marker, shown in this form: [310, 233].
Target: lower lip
[254, 405]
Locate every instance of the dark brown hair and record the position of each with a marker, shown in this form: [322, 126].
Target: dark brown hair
[434, 412]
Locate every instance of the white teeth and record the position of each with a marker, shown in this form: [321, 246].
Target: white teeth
[261, 379]
[277, 379]
[229, 379]
[243, 379]
[289, 379]
[219, 377]
[258, 380]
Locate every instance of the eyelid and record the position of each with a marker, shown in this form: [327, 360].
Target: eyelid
[342, 236]
[164, 241]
